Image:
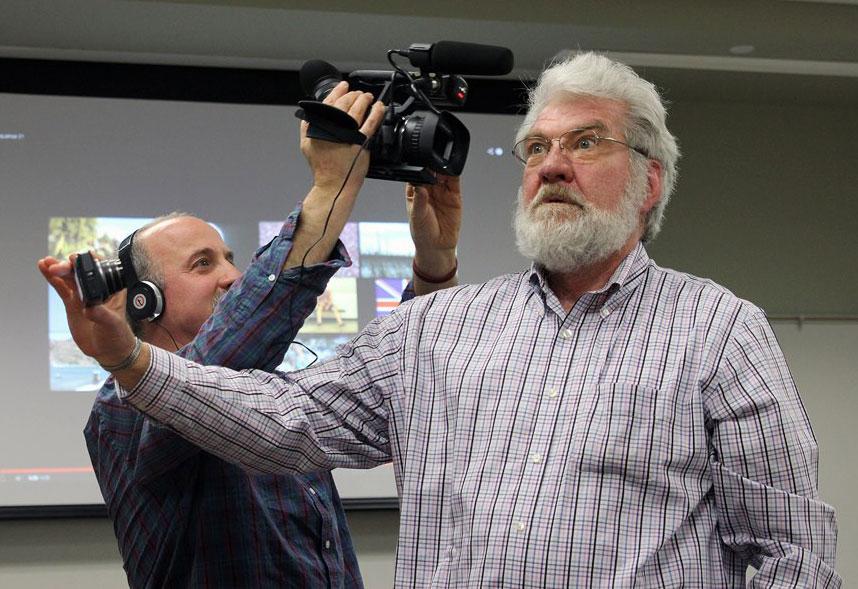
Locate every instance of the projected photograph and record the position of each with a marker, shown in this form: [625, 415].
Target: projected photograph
[70, 369]
[386, 250]
[268, 230]
[336, 309]
[299, 356]
[388, 293]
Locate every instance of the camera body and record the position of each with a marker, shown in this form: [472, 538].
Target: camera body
[97, 280]
[415, 140]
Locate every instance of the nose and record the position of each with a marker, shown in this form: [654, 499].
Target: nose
[556, 167]
[229, 276]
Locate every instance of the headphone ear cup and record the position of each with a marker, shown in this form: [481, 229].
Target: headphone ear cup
[145, 301]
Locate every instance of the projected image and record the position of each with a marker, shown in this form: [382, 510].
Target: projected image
[386, 250]
[268, 230]
[299, 356]
[381, 253]
[336, 309]
[388, 293]
[70, 369]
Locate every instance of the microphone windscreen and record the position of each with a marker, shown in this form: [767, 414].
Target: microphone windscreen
[470, 59]
[318, 77]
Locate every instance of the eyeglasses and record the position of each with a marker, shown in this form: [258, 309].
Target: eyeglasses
[582, 145]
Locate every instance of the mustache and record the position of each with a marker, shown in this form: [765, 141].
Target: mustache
[558, 193]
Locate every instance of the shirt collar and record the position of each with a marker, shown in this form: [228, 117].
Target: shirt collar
[626, 274]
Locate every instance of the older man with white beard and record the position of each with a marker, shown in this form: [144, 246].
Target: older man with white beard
[594, 420]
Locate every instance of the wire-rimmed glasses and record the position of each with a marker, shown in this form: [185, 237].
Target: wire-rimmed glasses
[581, 145]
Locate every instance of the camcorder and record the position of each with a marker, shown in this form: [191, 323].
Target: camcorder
[416, 140]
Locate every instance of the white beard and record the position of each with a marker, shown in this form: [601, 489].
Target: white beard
[546, 234]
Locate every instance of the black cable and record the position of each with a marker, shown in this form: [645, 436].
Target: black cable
[412, 84]
[303, 267]
[158, 324]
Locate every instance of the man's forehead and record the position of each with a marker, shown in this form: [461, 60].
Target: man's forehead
[582, 112]
[182, 233]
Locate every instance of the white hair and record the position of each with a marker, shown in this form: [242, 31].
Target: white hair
[594, 75]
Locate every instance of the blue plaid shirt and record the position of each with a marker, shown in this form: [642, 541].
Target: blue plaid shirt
[185, 518]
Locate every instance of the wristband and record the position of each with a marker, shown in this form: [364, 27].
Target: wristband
[129, 360]
[432, 279]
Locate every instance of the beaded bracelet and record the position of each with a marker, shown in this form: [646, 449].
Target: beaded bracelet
[129, 360]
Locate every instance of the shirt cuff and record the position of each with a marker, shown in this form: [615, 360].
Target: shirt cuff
[166, 372]
[278, 248]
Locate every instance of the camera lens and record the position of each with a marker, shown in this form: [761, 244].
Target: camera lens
[97, 280]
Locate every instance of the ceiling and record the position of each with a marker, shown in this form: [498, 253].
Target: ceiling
[744, 50]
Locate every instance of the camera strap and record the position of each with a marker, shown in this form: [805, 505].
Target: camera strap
[329, 123]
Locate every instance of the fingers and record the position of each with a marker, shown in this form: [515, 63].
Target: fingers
[53, 272]
[44, 266]
[416, 201]
[416, 192]
[338, 92]
[452, 182]
[357, 104]
[60, 269]
[373, 121]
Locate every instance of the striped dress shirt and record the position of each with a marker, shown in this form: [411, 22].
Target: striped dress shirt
[652, 436]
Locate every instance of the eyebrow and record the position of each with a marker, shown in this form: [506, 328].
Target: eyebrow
[594, 126]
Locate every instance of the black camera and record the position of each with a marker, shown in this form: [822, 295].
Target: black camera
[415, 139]
[97, 280]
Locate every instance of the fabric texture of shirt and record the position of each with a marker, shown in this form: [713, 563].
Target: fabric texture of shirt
[650, 437]
[185, 518]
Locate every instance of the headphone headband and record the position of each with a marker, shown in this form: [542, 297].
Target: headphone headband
[127, 264]
[144, 299]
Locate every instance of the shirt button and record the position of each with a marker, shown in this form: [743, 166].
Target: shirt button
[565, 333]
[536, 458]
[312, 491]
[552, 392]
[272, 278]
[519, 526]
[604, 313]
[327, 544]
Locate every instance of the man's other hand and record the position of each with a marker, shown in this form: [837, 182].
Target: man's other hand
[435, 217]
[100, 331]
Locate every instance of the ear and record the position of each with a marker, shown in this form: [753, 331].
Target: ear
[654, 175]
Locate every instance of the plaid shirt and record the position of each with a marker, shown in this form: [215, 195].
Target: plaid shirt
[185, 518]
[652, 436]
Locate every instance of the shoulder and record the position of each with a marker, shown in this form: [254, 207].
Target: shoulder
[703, 307]
[707, 292]
[491, 292]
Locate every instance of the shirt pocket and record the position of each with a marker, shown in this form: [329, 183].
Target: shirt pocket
[625, 437]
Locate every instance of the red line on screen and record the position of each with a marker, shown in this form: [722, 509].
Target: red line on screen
[57, 470]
